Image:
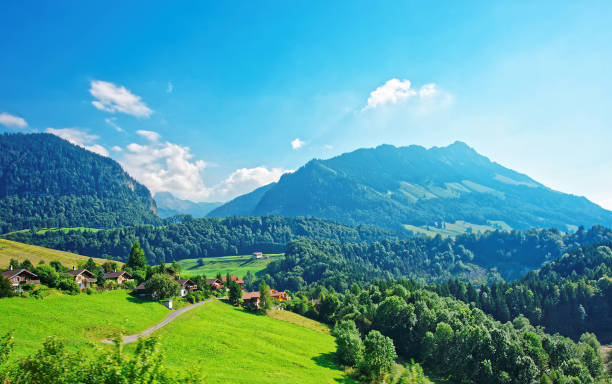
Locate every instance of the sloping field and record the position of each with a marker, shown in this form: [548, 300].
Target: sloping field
[14, 250]
[228, 345]
[80, 320]
[235, 265]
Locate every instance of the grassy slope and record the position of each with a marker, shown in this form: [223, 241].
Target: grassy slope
[79, 319]
[235, 265]
[228, 345]
[14, 250]
[457, 228]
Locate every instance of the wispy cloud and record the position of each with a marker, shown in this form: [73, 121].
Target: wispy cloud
[395, 91]
[111, 121]
[113, 98]
[149, 135]
[79, 137]
[170, 87]
[297, 144]
[12, 121]
[168, 167]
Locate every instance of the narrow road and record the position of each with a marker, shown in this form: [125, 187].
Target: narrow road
[132, 338]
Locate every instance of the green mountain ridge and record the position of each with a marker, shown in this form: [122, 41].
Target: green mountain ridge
[45, 181]
[392, 186]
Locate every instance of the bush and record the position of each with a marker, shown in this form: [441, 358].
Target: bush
[129, 285]
[348, 341]
[68, 285]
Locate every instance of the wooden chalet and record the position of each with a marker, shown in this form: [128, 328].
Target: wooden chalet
[118, 277]
[258, 255]
[280, 296]
[187, 286]
[18, 277]
[82, 277]
[233, 278]
[251, 299]
[215, 284]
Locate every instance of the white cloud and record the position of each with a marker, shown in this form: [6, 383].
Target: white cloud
[395, 91]
[117, 148]
[170, 167]
[297, 144]
[113, 98]
[328, 147]
[111, 121]
[80, 138]
[244, 180]
[12, 121]
[170, 87]
[149, 135]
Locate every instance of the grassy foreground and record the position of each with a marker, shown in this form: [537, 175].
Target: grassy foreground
[228, 345]
[79, 320]
[235, 265]
[14, 250]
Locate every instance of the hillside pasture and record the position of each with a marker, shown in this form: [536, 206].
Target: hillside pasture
[81, 320]
[14, 250]
[234, 265]
[226, 344]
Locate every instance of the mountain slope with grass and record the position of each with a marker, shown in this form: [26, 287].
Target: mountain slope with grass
[227, 344]
[392, 186]
[46, 182]
[20, 252]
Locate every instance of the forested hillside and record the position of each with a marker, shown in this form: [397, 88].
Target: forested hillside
[454, 341]
[199, 238]
[389, 186]
[571, 295]
[47, 182]
[478, 257]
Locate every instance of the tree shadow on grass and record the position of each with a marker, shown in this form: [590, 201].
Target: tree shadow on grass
[328, 360]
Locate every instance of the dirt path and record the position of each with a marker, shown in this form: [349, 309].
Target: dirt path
[132, 338]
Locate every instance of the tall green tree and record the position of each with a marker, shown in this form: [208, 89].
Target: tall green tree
[348, 342]
[137, 259]
[378, 356]
[265, 301]
[91, 266]
[235, 293]
[6, 288]
[162, 286]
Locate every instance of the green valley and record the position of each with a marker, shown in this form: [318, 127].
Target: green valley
[234, 265]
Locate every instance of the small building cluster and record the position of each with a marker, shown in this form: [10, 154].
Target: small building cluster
[252, 298]
[186, 285]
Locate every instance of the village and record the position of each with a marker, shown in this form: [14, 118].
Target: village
[23, 278]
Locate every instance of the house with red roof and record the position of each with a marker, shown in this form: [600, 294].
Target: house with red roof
[18, 277]
[233, 278]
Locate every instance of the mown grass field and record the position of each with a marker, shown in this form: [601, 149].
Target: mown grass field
[457, 228]
[80, 320]
[228, 345]
[234, 265]
[14, 250]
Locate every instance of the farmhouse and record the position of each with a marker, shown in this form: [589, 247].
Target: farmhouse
[187, 286]
[119, 277]
[258, 255]
[280, 296]
[234, 278]
[251, 299]
[215, 284]
[18, 277]
[82, 277]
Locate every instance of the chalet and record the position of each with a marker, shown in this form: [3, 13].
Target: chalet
[140, 290]
[258, 255]
[172, 272]
[280, 296]
[215, 284]
[82, 277]
[187, 286]
[234, 278]
[251, 299]
[18, 277]
[118, 277]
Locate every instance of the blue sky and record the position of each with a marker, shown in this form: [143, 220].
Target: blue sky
[210, 99]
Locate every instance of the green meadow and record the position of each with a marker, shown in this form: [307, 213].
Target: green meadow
[80, 320]
[226, 344]
[234, 265]
[14, 250]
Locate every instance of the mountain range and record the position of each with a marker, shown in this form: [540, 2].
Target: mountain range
[417, 188]
[170, 205]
